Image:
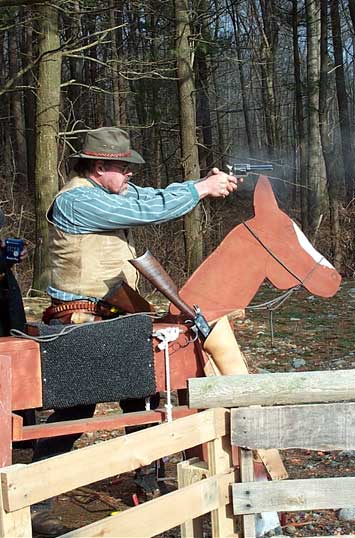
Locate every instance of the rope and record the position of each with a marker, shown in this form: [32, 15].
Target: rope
[69, 328]
[169, 334]
[273, 304]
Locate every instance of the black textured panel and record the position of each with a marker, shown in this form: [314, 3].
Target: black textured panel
[100, 362]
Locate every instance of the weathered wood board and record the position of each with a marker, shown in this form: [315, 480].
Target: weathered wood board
[293, 495]
[14, 524]
[272, 389]
[80, 467]
[246, 475]
[315, 427]
[156, 516]
[5, 410]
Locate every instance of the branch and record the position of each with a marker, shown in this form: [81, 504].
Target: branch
[11, 3]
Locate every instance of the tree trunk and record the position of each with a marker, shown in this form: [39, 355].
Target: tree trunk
[346, 130]
[189, 149]
[18, 127]
[47, 122]
[29, 97]
[203, 60]
[333, 165]
[232, 10]
[315, 179]
[300, 129]
[268, 55]
[116, 120]
[75, 64]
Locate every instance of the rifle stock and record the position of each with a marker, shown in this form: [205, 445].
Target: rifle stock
[149, 267]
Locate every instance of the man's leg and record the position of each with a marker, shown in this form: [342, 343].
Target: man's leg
[52, 446]
[43, 521]
[145, 477]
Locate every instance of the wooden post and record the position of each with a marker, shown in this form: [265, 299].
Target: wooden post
[189, 472]
[247, 475]
[220, 461]
[5, 410]
[14, 524]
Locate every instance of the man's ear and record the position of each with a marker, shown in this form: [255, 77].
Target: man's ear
[99, 168]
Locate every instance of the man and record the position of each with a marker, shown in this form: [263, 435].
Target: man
[12, 314]
[92, 218]
[94, 213]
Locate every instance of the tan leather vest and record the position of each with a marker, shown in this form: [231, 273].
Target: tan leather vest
[90, 264]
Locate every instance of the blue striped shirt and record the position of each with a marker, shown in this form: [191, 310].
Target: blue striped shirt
[84, 210]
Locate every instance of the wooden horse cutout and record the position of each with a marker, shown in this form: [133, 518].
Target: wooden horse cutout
[269, 246]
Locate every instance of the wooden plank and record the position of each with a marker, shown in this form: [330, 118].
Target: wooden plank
[188, 472]
[114, 421]
[224, 348]
[26, 371]
[272, 389]
[156, 516]
[220, 461]
[316, 427]
[247, 475]
[90, 464]
[293, 495]
[14, 524]
[5, 410]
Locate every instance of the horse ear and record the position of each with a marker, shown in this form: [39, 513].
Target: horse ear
[264, 198]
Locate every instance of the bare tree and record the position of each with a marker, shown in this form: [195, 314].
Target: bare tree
[299, 127]
[189, 149]
[315, 173]
[346, 130]
[334, 165]
[47, 125]
[29, 98]
[16, 107]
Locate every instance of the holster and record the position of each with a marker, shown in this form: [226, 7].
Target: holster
[123, 299]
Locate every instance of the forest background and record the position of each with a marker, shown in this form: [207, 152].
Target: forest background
[197, 84]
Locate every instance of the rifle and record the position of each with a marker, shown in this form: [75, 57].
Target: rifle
[243, 169]
[153, 271]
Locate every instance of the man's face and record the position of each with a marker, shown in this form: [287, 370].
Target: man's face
[113, 175]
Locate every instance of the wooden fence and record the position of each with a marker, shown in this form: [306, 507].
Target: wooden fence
[296, 423]
[205, 489]
[23, 485]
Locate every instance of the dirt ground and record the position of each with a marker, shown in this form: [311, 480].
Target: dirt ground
[308, 334]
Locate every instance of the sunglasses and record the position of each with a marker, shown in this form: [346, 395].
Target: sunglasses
[122, 168]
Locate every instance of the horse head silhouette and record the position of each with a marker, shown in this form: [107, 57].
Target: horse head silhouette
[268, 246]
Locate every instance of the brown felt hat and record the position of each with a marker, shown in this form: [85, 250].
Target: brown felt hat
[108, 143]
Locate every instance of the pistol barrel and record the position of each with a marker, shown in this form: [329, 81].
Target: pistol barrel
[245, 168]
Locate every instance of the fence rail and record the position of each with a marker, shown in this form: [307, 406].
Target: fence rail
[321, 426]
[23, 485]
[272, 389]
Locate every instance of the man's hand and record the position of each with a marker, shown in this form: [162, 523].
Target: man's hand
[217, 184]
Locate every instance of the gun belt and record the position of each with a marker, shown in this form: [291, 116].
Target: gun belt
[58, 309]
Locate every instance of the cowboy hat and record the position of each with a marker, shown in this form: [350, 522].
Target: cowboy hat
[108, 143]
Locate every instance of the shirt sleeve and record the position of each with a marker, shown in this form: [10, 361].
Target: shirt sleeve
[84, 210]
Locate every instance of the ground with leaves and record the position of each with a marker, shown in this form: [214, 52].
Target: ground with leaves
[308, 334]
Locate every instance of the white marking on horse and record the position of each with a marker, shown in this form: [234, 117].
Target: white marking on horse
[309, 248]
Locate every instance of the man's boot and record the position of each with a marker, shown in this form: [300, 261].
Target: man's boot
[44, 522]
